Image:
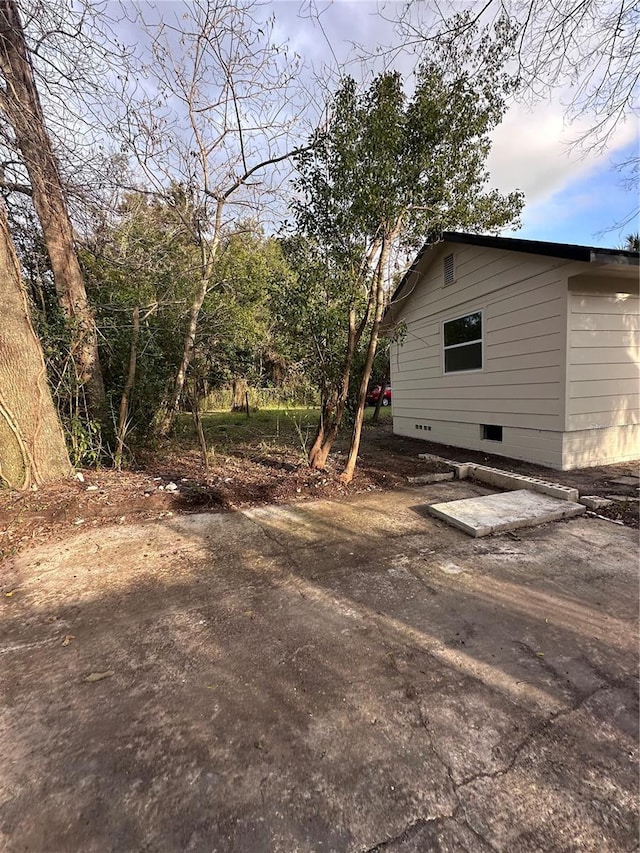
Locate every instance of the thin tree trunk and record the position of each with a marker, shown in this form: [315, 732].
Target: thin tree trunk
[208, 255]
[168, 415]
[326, 433]
[128, 387]
[331, 415]
[350, 467]
[21, 105]
[32, 447]
[197, 420]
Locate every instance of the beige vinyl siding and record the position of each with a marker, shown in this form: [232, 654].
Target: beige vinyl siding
[533, 445]
[603, 361]
[589, 447]
[521, 383]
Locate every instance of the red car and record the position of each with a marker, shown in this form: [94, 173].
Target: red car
[372, 396]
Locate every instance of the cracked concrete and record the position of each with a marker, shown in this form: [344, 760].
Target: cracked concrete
[340, 676]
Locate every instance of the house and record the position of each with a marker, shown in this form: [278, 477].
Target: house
[520, 348]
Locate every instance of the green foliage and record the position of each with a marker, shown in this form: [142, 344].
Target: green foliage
[231, 431]
[286, 428]
[238, 335]
[56, 334]
[310, 311]
[84, 441]
[149, 260]
[145, 260]
[389, 171]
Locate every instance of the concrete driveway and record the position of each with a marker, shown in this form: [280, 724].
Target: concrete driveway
[337, 676]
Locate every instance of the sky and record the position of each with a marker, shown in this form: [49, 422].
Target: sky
[572, 195]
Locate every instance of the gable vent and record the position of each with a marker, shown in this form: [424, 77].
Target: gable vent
[449, 270]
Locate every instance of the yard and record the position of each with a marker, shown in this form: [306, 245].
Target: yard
[253, 461]
[339, 675]
[259, 658]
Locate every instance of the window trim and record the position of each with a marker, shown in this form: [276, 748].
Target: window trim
[446, 372]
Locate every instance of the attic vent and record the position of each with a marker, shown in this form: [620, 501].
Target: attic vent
[449, 270]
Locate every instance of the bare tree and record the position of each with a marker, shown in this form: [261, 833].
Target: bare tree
[32, 447]
[217, 126]
[22, 110]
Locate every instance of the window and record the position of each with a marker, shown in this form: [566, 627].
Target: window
[449, 270]
[463, 343]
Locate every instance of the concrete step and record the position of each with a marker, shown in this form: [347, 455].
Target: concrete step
[508, 511]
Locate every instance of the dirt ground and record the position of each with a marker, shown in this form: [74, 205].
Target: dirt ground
[340, 674]
[256, 476]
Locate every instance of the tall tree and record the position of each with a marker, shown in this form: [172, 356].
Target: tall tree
[218, 124]
[141, 266]
[390, 170]
[32, 447]
[20, 104]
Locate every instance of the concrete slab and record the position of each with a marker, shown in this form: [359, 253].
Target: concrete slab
[329, 676]
[494, 513]
[595, 501]
[426, 479]
[627, 481]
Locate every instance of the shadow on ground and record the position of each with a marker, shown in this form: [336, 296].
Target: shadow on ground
[331, 676]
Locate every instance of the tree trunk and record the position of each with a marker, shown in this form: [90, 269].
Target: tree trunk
[326, 434]
[208, 252]
[21, 104]
[171, 409]
[32, 448]
[128, 387]
[239, 390]
[350, 467]
[331, 414]
[197, 420]
[376, 412]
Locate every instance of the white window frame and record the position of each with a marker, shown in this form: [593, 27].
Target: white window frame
[446, 372]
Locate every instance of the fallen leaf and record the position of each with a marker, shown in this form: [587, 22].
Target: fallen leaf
[67, 639]
[98, 676]
[9, 594]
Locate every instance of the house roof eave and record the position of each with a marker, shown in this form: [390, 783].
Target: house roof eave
[599, 256]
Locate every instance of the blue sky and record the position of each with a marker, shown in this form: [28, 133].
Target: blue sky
[585, 210]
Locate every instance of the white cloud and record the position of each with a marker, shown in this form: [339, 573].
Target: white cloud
[533, 151]
[532, 148]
